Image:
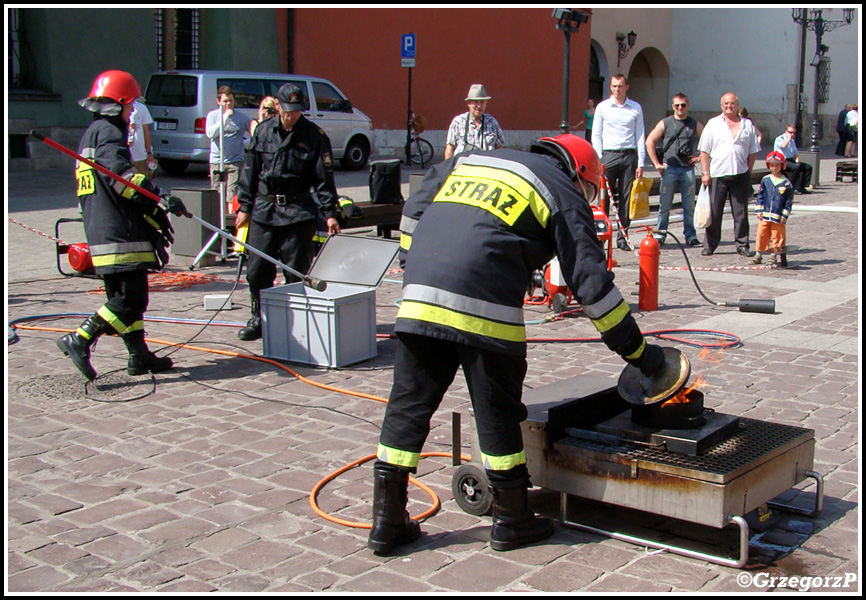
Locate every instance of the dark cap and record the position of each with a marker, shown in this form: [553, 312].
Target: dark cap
[291, 97]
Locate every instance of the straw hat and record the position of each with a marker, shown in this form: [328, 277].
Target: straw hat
[477, 92]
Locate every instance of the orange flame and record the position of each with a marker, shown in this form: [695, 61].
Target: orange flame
[683, 395]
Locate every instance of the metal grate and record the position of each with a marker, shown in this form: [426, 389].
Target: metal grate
[753, 440]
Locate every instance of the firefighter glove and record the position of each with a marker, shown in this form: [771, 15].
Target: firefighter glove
[652, 360]
[176, 207]
[161, 221]
[160, 245]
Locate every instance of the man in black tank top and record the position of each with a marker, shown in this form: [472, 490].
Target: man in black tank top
[672, 147]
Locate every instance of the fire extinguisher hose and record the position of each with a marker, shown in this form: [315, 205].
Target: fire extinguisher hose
[756, 306]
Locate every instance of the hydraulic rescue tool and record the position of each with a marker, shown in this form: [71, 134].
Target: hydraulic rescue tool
[316, 284]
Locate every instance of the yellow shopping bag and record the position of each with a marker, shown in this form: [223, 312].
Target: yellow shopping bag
[638, 207]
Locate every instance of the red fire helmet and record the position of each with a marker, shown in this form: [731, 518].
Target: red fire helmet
[777, 157]
[110, 89]
[576, 155]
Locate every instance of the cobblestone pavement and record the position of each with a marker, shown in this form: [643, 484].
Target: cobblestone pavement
[199, 479]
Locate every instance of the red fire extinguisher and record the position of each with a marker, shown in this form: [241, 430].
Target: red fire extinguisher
[648, 290]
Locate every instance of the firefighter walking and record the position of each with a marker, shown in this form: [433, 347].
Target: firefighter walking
[470, 239]
[127, 232]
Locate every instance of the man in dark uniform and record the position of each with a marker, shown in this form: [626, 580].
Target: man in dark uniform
[474, 233]
[286, 181]
[127, 232]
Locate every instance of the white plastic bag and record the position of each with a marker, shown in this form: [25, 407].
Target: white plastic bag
[703, 215]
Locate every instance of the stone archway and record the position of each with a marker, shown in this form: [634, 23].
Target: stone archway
[649, 82]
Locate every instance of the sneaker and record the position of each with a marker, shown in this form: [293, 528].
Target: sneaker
[757, 260]
[693, 242]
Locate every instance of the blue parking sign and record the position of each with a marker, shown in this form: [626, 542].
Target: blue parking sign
[408, 46]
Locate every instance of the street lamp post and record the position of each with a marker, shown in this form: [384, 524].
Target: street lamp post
[813, 19]
[568, 21]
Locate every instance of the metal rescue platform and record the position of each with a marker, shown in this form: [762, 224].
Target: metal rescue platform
[580, 441]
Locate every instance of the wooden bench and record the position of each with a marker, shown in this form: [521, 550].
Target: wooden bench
[385, 217]
[847, 168]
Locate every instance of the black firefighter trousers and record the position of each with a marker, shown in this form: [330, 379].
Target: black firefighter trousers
[425, 367]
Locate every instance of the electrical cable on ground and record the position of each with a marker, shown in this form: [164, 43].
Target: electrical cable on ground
[313, 498]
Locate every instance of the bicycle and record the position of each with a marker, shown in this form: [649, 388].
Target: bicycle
[418, 150]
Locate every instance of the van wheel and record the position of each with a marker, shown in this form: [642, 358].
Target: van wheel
[172, 166]
[356, 155]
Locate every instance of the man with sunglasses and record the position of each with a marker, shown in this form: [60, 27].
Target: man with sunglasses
[799, 173]
[671, 146]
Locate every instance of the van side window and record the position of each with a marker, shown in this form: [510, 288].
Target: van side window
[172, 90]
[276, 85]
[327, 98]
[248, 92]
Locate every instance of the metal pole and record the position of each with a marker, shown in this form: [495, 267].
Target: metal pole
[409, 119]
[566, 61]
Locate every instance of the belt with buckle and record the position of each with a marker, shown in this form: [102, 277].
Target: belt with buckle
[283, 199]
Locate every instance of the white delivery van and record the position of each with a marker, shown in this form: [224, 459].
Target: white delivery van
[179, 102]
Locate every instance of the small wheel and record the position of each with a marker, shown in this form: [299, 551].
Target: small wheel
[471, 490]
[420, 152]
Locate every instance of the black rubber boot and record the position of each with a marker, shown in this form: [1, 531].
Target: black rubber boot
[253, 330]
[392, 525]
[141, 359]
[514, 524]
[77, 345]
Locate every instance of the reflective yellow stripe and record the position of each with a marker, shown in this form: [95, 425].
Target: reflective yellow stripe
[111, 319]
[118, 325]
[392, 456]
[613, 318]
[640, 350]
[129, 192]
[106, 260]
[503, 463]
[82, 333]
[151, 222]
[461, 321]
[405, 241]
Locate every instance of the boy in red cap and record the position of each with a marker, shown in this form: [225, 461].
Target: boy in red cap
[775, 198]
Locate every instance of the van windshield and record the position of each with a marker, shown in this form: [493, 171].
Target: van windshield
[172, 90]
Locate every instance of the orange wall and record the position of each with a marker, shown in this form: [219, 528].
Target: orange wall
[517, 53]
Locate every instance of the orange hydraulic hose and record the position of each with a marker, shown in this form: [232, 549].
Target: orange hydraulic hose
[321, 484]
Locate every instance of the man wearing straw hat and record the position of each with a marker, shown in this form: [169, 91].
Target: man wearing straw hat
[474, 130]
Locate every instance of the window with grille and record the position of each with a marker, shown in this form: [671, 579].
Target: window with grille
[177, 38]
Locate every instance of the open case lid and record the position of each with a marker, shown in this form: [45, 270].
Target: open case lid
[354, 260]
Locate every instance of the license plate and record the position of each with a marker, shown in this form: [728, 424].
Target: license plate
[166, 125]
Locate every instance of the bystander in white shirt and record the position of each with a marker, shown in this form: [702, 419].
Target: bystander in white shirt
[619, 127]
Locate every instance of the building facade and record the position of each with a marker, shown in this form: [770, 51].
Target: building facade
[516, 53]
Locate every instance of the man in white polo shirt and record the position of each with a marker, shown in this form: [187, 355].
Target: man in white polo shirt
[728, 146]
[619, 140]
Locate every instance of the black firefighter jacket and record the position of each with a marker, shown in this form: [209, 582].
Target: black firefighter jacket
[287, 178]
[121, 223]
[474, 233]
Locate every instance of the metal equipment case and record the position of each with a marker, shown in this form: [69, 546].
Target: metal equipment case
[336, 327]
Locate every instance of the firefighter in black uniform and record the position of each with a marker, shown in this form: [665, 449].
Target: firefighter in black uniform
[472, 236]
[286, 182]
[127, 232]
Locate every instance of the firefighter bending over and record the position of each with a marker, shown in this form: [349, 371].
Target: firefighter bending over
[127, 232]
[471, 238]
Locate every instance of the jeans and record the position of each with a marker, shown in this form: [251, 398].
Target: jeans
[678, 179]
